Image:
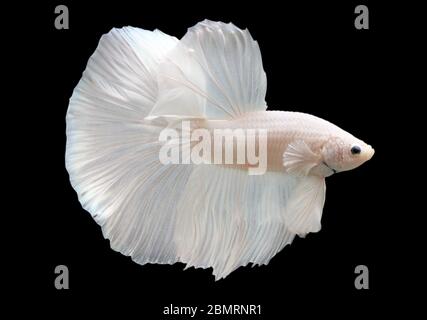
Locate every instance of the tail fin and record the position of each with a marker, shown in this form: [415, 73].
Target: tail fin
[112, 153]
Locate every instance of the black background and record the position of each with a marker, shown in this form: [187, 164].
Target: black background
[316, 62]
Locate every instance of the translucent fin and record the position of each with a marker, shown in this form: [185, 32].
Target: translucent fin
[299, 159]
[112, 154]
[229, 218]
[304, 209]
[215, 72]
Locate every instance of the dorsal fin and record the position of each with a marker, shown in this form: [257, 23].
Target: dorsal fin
[214, 72]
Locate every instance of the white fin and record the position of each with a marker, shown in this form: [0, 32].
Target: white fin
[229, 218]
[299, 159]
[214, 72]
[112, 154]
[304, 209]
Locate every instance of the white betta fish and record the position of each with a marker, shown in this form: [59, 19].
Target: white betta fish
[201, 213]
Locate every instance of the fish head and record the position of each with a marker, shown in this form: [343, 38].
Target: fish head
[345, 153]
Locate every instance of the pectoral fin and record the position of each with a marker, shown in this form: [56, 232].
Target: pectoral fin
[299, 159]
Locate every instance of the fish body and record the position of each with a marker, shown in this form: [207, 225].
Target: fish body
[145, 97]
[286, 128]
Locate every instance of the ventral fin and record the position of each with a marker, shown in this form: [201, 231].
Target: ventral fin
[299, 159]
[304, 209]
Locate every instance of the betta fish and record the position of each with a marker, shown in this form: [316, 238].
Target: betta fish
[205, 214]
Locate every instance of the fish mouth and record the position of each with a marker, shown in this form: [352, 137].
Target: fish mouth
[369, 153]
[333, 170]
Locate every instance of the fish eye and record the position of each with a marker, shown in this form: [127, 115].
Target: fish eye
[355, 149]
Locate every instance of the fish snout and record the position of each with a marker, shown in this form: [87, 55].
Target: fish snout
[369, 153]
